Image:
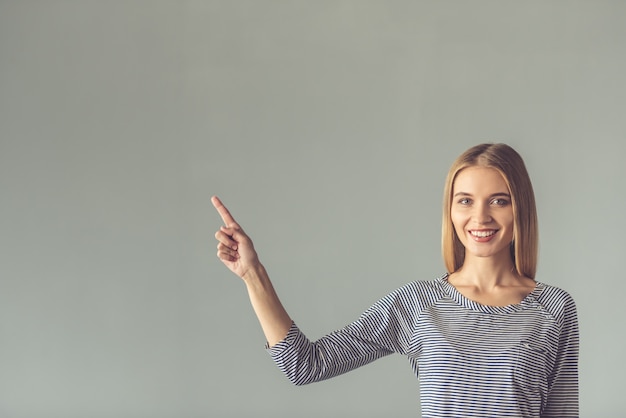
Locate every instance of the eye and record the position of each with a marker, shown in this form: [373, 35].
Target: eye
[464, 201]
[500, 202]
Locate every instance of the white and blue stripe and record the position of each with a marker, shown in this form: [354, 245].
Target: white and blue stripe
[472, 360]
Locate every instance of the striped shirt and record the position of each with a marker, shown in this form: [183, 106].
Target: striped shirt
[471, 360]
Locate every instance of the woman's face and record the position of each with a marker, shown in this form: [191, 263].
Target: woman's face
[482, 212]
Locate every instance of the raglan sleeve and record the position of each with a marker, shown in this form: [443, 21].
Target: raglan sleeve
[381, 330]
[562, 400]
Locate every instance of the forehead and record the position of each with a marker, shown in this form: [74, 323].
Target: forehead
[476, 180]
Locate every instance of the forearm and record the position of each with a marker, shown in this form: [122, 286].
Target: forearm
[274, 319]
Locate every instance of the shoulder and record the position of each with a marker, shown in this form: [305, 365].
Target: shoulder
[407, 302]
[555, 295]
[557, 301]
[418, 294]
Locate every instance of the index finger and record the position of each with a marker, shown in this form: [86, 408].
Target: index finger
[224, 213]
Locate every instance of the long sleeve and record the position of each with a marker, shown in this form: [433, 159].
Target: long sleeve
[562, 398]
[383, 329]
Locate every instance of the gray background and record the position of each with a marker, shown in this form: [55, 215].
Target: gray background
[327, 127]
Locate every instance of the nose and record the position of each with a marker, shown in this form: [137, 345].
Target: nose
[482, 214]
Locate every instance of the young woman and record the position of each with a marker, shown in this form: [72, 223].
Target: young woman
[485, 339]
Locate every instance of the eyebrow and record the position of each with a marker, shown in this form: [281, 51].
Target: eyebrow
[493, 195]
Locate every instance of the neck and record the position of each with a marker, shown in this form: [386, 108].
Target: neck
[487, 272]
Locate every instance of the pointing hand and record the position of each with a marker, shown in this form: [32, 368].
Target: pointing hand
[234, 247]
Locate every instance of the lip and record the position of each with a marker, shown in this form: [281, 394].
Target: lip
[482, 238]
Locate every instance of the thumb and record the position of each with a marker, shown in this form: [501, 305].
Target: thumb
[235, 233]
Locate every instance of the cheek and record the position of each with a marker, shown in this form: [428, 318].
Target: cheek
[458, 222]
[510, 219]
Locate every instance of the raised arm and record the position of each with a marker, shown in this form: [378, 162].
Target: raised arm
[236, 251]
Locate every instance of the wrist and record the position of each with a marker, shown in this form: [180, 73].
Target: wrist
[255, 275]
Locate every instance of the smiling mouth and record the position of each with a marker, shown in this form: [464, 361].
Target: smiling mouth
[483, 233]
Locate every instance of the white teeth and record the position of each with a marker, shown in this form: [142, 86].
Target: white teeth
[482, 234]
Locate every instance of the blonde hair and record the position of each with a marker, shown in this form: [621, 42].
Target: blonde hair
[510, 165]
